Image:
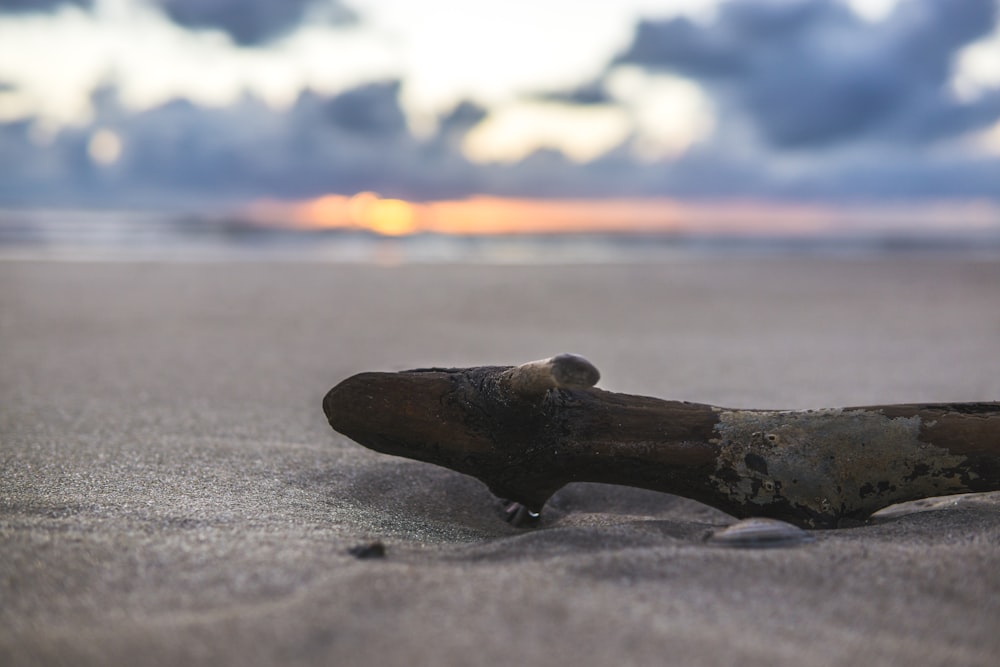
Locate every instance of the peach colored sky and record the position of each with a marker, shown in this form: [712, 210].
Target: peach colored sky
[486, 215]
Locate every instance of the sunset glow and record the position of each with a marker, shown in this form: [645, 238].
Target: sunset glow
[489, 215]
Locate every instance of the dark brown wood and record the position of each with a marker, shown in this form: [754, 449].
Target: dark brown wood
[528, 430]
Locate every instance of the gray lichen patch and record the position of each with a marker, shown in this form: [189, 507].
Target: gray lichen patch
[827, 464]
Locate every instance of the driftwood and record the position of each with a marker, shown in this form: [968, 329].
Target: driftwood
[528, 430]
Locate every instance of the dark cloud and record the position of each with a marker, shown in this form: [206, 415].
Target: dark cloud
[811, 73]
[453, 127]
[683, 46]
[371, 110]
[900, 178]
[182, 152]
[465, 116]
[320, 144]
[26, 6]
[254, 22]
[247, 22]
[862, 105]
[183, 155]
[591, 93]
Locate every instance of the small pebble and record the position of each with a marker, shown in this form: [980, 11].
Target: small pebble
[369, 550]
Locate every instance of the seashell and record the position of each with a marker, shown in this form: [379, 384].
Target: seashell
[759, 533]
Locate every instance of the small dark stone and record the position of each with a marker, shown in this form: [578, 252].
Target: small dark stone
[518, 515]
[369, 550]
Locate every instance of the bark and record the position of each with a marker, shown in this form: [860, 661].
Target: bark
[528, 430]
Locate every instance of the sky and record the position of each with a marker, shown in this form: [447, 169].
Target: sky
[213, 104]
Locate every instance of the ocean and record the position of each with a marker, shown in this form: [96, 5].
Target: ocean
[139, 236]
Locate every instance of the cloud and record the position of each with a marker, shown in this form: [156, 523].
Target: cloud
[247, 22]
[843, 109]
[454, 126]
[457, 122]
[254, 22]
[368, 110]
[27, 6]
[810, 73]
[591, 93]
[182, 155]
[181, 152]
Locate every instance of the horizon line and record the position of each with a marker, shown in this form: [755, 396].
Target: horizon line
[490, 215]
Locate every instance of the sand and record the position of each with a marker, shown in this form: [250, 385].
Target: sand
[171, 493]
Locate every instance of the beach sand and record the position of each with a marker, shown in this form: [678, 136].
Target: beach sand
[172, 495]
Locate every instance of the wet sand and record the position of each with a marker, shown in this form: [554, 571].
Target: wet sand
[171, 493]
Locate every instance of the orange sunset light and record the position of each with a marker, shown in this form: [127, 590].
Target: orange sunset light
[479, 215]
[489, 215]
[365, 210]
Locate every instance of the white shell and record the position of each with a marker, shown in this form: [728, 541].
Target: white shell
[759, 533]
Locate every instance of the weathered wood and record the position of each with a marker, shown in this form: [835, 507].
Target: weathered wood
[528, 430]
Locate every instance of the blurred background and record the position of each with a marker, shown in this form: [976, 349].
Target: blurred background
[349, 129]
